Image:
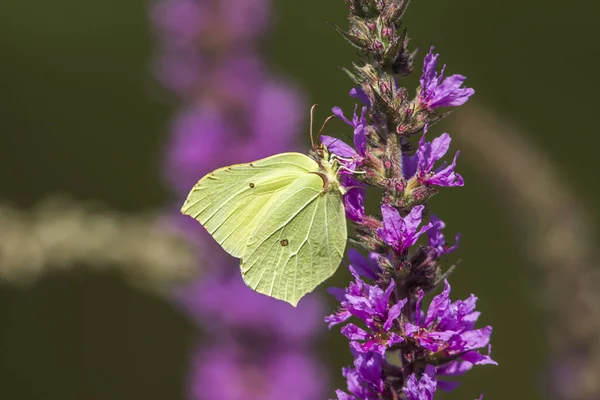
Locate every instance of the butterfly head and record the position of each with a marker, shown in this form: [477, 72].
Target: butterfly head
[329, 169]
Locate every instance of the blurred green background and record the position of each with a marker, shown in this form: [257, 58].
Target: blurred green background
[80, 113]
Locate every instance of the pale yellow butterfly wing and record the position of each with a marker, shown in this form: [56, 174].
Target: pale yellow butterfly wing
[231, 201]
[299, 244]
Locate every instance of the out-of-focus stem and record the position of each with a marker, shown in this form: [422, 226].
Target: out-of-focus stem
[59, 234]
[558, 240]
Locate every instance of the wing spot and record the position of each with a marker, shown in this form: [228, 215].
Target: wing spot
[251, 185]
[284, 242]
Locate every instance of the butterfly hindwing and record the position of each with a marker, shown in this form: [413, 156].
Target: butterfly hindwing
[299, 244]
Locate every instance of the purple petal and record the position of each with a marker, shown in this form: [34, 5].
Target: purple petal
[411, 388]
[358, 93]
[442, 336]
[475, 339]
[423, 389]
[418, 312]
[446, 176]
[369, 367]
[428, 78]
[392, 225]
[439, 305]
[398, 232]
[364, 267]
[353, 332]
[360, 136]
[354, 198]
[384, 300]
[447, 386]
[338, 293]
[393, 314]
[450, 93]
[439, 147]
[360, 307]
[439, 92]
[437, 239]
[454, 368]
[338, 318]
[409, 329]
[476, 358]
[393, 339]
[353, 381]
[338, 147]
[343, 395]
[337, 111]
[434, 341]
[409, 165]
[413, 219]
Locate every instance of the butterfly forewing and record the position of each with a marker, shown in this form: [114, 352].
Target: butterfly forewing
[229, 202]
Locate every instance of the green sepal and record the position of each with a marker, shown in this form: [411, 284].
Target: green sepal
[355, 41]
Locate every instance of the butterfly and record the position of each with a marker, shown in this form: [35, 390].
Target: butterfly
[283, 216]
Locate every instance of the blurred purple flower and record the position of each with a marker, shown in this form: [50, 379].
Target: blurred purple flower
[227, 372]
[245, 18]
[247, 310]
[437, 91]
[234, 111]
[277, 116]
[179, 72]
[231, 20]
[199, 135]
[181, 18]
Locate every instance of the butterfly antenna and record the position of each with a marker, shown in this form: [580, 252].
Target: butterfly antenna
[325, 123]
[312, 113]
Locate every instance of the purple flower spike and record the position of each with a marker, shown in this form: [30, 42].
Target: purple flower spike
[382, 311]
[421, 389]
[431, 152]
[437, 91]
[401, 233]
[436, 237]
